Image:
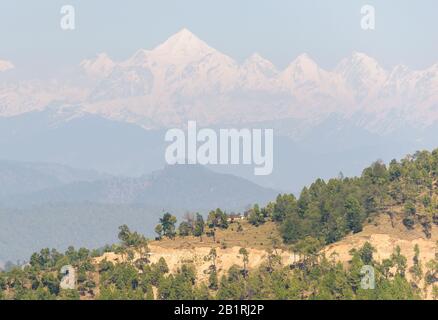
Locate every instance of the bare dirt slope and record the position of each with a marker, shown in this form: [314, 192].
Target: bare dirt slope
[385, 236]
[382, 234]
[191, 250]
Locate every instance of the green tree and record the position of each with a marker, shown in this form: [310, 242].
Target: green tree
[168, 222]
[245, 258]
[284, 205]
[416, 269]
[217, 219]
[256, 216]
[159, 231]
[185, 229]
[198, 229]
[409, 211]
[353, 211]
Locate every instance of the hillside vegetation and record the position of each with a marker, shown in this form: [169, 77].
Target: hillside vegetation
[311, 247]
[38, 197]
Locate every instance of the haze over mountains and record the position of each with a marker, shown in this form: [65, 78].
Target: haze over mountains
[186, 79]
[180, 187]
[46, 205]
[18, 178]
[111, 116]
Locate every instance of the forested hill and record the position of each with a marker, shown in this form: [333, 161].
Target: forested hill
[271, 252]
[406, 190]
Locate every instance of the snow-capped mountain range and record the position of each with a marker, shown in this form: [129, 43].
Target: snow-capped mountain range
[186, 79]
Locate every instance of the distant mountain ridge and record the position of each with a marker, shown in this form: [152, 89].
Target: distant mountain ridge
[186, 187]
[186, 79]
[123, 149]
[52, 205]
[18, 178]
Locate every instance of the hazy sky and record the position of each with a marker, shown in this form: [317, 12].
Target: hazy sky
[406, 31]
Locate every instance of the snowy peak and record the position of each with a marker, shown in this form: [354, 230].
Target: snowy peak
[140, 59]
[6, 65]
[257, 59]
[181, 47]
[303, 68]
[363, 58]
[181, 51]
[101, 66]
[184, 78]
[258, 73]
[181, 38]
[304, 61]
[359, 63]
[362, 74]
[257, 64]
[304, 73]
